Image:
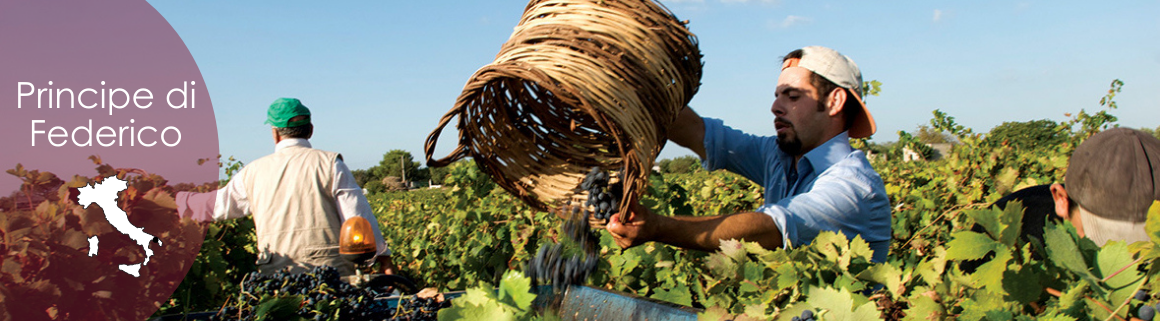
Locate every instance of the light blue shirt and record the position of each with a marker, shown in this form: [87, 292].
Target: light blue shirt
[834, 188]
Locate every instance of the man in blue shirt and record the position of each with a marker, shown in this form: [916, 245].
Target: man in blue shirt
[814, 180]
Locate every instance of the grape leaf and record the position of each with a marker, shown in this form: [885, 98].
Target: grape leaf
[733, 249]
[931, 269]
[1113, 257]
[830, 244]
[278, 308]
[787, 276]
[755, 311]
[968, 245]
[999, 315]
[1152, 225]
[486, 311]
[990, 274]
[720, 265]
[1073, 296]
[714, 313]
[476, 303]
[839, 304]
[753, 271]
[1006, 180]
[1022, 284]
[887, 275]
[1054, 317]
[923, 307]
[477, 296]
[979, 306]
[515, 290]
[756, 249]
[1062, 250]
[678, 294]
[860, 249]
[989, 219]
[1011, 221]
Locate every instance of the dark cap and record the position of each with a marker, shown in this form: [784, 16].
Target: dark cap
[1114, 174]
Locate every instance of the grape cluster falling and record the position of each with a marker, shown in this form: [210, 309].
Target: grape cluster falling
[552, 267]
[603, 197]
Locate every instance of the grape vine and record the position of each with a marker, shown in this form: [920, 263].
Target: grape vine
[472, 235]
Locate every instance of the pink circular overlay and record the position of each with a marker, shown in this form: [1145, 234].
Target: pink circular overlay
[109, 79]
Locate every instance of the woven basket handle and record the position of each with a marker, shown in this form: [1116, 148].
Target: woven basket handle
[460, 151]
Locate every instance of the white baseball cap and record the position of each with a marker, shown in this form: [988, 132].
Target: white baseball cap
[840, 70]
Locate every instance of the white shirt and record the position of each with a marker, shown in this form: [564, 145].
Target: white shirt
[231, 201]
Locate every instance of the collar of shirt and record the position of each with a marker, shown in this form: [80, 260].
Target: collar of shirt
[292, 142]
[829, 153]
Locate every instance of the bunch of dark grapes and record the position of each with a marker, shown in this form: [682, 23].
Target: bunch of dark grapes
[1145, 312]
[319, 287]
[603, 197]
[807, 315]
[550, 266]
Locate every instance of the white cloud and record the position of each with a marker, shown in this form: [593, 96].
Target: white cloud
[937, 15]
[793, 20]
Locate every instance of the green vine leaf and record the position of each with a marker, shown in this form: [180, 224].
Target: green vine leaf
[515, 290]
[841, 305]
[968, 245]
[888, 275]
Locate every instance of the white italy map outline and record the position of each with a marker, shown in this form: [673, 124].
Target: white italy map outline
[104, 194]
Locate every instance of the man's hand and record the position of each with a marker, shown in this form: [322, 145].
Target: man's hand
[387, 265]
[640, 226]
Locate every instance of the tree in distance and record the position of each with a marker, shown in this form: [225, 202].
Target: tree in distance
[1026, 135]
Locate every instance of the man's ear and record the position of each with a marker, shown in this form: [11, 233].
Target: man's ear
[1062, 203]
[836, 100]
[277, 139]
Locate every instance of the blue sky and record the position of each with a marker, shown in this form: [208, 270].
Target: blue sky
[378, 75]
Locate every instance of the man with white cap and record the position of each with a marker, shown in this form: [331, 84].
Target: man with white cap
[814, 180]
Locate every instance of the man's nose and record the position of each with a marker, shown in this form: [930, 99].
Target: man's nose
[777, 108]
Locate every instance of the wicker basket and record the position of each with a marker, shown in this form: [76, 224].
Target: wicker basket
[579, 84]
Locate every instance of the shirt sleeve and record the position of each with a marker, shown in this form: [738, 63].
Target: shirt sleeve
[232, 200]
[837, 202]
[735, 151]
[227, 202]
[352, 202]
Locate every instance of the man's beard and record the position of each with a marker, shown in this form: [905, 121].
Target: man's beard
[792, 146]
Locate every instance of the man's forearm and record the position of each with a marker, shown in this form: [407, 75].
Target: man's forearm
[706, 232]
[688, 130]
[196, 206]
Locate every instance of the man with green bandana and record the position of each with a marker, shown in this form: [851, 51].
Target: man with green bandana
[299, 197]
